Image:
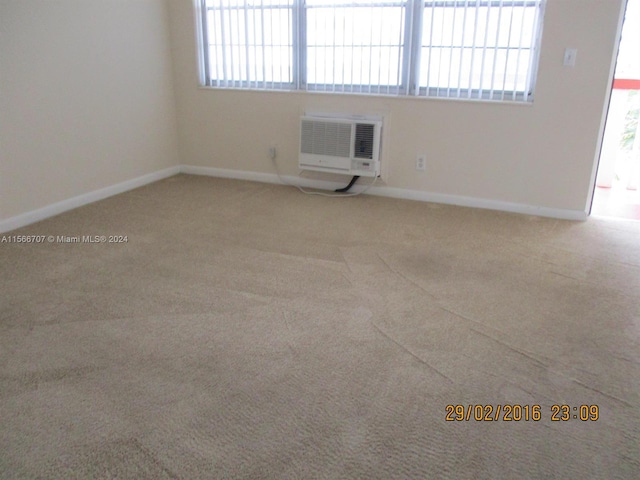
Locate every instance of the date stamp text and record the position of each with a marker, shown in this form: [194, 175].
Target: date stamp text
[521, 413]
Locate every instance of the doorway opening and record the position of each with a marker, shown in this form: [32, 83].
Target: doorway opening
[617, 190]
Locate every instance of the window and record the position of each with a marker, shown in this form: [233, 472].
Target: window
[476, 49]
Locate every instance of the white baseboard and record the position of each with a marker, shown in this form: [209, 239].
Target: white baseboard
[383, 191]
[228, 173]
[460, 201]
[59, 207]
[264, 177]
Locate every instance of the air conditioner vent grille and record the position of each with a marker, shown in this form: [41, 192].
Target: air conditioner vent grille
[363, 147]
[326, 138]
[341, 144]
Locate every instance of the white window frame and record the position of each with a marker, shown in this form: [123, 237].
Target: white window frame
[409, 84]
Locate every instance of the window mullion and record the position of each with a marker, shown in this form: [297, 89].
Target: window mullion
[204, 31]
[535, 51]
[412, 45]
[299, 45]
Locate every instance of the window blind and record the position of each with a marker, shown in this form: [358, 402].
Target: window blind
[250, 43]
[479, 49]
[355, 46]
[475, 49]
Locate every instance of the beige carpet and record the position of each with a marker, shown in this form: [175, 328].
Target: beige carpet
[248, 331]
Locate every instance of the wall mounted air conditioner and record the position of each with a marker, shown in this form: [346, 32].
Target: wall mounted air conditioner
[340, 145]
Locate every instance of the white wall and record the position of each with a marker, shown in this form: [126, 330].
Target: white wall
[86, 98]
[539, 155]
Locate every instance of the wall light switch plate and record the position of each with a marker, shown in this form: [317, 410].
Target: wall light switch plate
[570, 55]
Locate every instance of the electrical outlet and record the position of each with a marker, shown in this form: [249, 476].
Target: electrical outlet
[421, 163]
